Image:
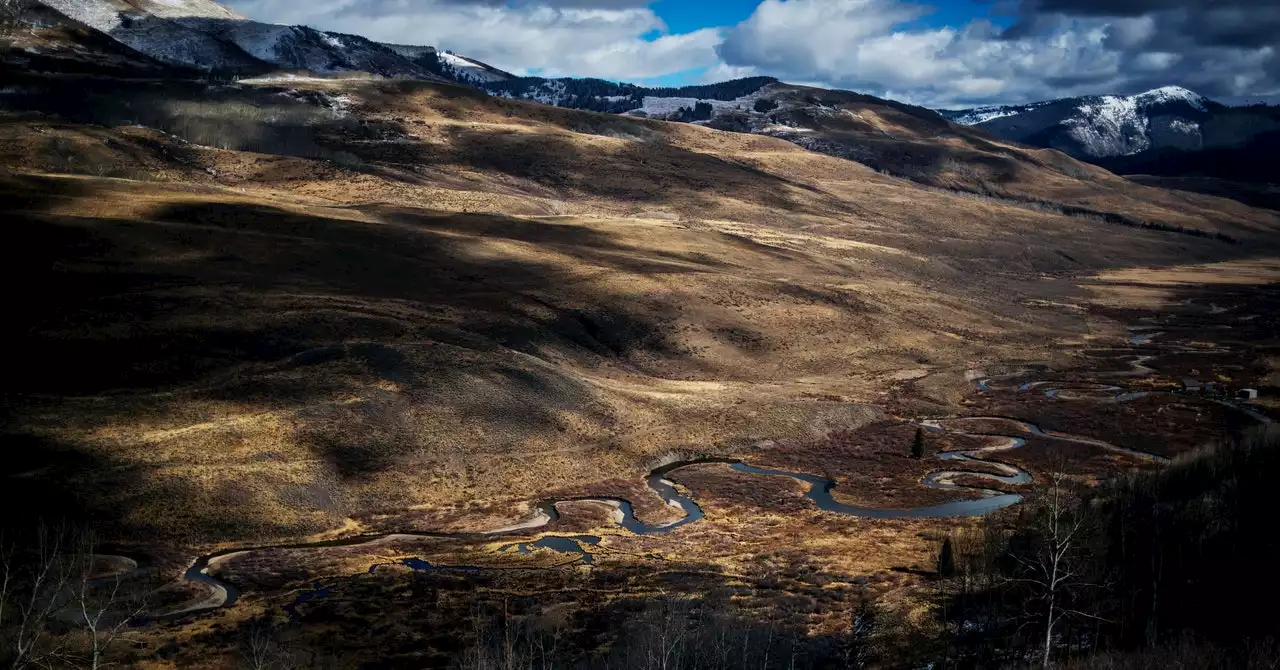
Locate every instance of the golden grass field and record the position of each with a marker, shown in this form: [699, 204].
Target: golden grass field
[485, 303]
[298, 346]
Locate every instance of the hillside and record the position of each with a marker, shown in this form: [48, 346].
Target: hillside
[342, 369]
[1166, 132]
[417, 255]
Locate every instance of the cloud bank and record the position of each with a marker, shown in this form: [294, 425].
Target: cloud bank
[1226, 49]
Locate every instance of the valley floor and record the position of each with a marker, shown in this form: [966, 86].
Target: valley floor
[302, 378]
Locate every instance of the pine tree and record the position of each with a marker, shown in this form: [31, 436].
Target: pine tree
[917, 447]
[765, 105]
[946, 560]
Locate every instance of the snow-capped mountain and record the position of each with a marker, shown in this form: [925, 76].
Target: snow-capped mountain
[1168, 131]
[157, 34]
[204, 35]
[1102, 126]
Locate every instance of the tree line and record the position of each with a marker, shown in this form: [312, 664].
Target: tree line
[599, 95]
[1129, 570]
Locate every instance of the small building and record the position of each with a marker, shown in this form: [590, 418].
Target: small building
[1191, 385]
[1247, 394]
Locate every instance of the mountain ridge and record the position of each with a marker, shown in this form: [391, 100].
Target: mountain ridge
[1169, 130]
[1133, 134]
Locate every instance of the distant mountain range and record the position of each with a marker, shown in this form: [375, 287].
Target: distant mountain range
[1166, 131]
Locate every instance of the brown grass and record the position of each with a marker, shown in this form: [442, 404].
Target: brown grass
[498, 303]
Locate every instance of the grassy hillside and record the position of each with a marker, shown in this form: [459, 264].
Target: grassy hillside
[288, 307]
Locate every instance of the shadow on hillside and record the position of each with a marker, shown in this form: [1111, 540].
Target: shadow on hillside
[39, 473]
[1264, 195]
[281, 121]
[244, 118]
[51, 482]
[274, 310]
[656, 172]
[146, 304]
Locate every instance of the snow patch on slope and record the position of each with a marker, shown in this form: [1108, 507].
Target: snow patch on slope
[1110, 126]
[180, 9]
[468, 69]
[161, 35]
[983, 114]
[972, 117]
[661, 107]
[1107, 125]
[97, 14]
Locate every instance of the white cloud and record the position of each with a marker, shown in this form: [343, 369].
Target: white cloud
[1156, 61]
[860, 44]
[875, 46]
[550, 40]
[722, 72]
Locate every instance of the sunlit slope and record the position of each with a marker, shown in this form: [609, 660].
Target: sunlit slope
[398, 303]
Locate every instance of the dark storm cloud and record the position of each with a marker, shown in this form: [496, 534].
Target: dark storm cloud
[1226, 49]
[1135, 7]
[1222, 48]
[1218, 23]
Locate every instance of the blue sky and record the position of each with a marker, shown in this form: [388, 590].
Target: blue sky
[684, 16]
[949, 53]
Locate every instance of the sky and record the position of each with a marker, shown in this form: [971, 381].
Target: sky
[943, 54]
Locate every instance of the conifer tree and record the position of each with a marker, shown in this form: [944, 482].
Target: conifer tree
[917, 447]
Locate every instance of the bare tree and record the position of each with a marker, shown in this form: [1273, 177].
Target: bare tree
[261, 647]
[34, 576]
[52, 600]
[1054, 564]
[857, 649]
[104, 607]
[661, 639]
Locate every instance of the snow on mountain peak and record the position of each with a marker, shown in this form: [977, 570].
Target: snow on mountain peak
[1168, 94]
[181, 9]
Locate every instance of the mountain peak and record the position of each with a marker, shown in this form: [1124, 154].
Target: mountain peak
[1167, 94]
[175, 9]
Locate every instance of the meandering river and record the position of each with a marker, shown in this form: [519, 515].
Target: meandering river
[818, 489]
